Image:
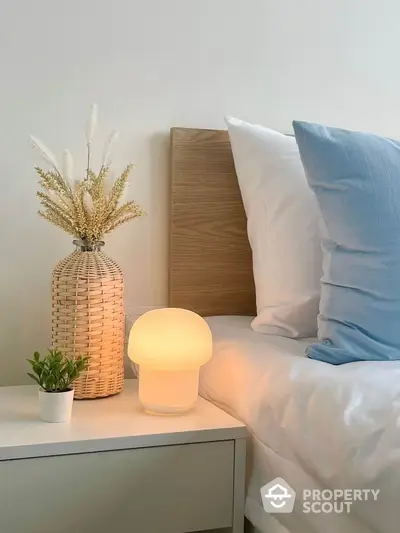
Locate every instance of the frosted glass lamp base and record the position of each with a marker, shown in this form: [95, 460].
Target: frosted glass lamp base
[168, 392]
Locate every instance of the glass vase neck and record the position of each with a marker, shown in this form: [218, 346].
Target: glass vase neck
[83, 245]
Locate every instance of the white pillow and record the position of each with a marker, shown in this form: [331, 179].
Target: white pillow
[284, 228]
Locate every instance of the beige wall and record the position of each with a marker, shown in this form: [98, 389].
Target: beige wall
[150, 65]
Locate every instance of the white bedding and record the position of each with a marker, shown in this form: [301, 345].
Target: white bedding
[315, 425]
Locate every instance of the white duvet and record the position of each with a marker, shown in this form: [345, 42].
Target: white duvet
[315, 425]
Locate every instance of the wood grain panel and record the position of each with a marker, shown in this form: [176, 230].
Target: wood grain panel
[210, 257]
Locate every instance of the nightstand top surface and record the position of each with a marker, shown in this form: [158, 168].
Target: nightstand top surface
[113, 423]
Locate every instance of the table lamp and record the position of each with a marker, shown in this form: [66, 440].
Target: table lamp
[169, 345]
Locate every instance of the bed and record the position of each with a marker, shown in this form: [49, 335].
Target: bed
[315, 425]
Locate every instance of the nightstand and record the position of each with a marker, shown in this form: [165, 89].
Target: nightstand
[114, 469]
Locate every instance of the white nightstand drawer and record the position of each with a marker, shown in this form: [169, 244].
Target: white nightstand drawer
[166, 489]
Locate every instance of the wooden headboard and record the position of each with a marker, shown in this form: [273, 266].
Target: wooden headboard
[210, 257]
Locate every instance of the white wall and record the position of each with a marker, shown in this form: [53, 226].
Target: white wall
[151, 64]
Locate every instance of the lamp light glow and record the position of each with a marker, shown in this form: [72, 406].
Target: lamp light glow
[169, 345]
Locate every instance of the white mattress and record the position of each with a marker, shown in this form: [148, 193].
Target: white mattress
[316, 425]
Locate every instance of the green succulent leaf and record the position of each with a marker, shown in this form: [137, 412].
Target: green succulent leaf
[56, 371]
[34, 378]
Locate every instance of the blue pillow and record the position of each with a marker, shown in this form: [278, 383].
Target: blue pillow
[356, 178]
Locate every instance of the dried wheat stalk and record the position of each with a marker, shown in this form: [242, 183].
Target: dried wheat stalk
[84, 209]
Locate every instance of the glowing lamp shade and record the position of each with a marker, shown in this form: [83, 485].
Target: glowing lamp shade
[170, 346]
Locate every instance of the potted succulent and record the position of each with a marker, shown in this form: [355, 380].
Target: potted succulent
[55, 374]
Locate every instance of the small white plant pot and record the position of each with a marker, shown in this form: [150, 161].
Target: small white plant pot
[56, 406]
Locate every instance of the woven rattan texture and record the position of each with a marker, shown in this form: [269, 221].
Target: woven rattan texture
[88, 319]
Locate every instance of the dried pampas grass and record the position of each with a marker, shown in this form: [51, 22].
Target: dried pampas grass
[87, 209]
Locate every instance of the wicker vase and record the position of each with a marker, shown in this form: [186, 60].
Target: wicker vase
[88, 318]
